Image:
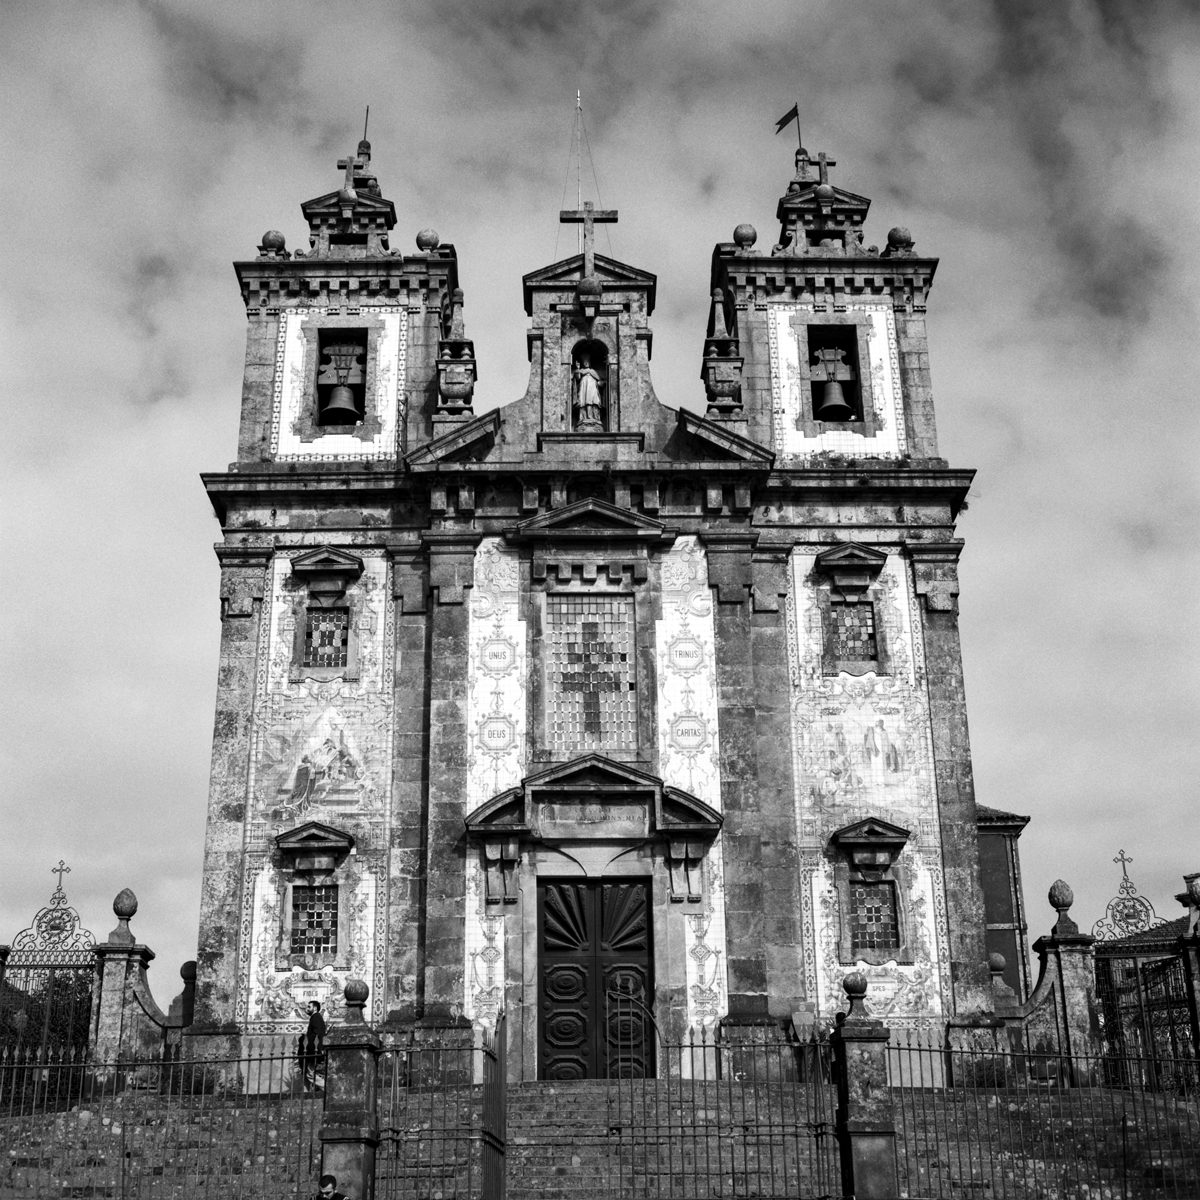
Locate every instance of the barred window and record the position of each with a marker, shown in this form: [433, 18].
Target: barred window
[853, 631]
[326, 637]
[591, 697]
[874, 924]
[314, 919]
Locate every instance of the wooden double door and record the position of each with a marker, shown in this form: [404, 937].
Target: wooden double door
[596, 980]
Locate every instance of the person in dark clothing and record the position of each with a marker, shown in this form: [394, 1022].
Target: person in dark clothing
[313, 1044]
[327, 1189]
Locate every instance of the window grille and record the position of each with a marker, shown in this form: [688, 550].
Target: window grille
[314, 920]
[874, 924]
[326, 637]
[591, 693]
[853, 631]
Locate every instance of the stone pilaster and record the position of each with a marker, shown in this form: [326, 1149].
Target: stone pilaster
[451, 570]
[935, 573]
[243, 583]
[865, 1124]
[349, 1130]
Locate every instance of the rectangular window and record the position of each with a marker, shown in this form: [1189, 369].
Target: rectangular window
[874, 924]
[326, 637]
[853, 631]
[314, 920]
[591, 696]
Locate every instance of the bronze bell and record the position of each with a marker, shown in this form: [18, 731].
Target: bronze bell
[340, 408]
[833, 403]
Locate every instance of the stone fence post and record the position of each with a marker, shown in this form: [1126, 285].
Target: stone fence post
[865, 1124]
[121, 963]
[350, 1126]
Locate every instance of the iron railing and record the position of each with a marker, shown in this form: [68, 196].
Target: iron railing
[156, 1129]
[442, 1115]
[1009, 1125]
[746, 1111]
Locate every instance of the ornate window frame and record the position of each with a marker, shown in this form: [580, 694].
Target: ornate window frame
[867, 852]
[323, 579]
[851, 574]
[307, 424]
[806, 420]
[314, 855]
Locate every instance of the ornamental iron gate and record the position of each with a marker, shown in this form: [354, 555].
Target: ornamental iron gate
[47, 981]
[593, 938]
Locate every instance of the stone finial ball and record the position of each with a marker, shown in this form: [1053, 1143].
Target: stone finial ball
[125, 904]
[745, 235]
[274, 240]
[855, 985]
[997, 962]
[589, 285]
[825, 191]
[188, 971]
[1060, 894]
[356, 991]
[899, 238]
[428, 240]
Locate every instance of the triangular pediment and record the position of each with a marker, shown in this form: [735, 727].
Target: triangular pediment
[326, 560]
[589, 518]
[313, 836]
[806, 197]
[683, 814]
[503, 814]
[852, 556]
[872, 829]
[364, 201]
[453, 446]
[591, 772]
[565, 274]
[725, 441]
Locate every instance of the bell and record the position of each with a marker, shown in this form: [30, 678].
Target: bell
[833, 404]
[340, 408]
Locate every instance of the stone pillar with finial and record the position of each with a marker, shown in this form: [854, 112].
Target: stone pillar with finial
[350, 1125]
[1067, 980]
[121, 962]
[865, 1123]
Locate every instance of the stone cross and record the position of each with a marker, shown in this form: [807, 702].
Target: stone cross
[825, 163]
[589, 217]
[350, 165]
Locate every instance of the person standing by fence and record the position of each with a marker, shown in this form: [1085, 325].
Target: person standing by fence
[312, 1045]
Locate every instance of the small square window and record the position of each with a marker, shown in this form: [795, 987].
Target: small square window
[326, 637]
[874, 923]
[315, 920]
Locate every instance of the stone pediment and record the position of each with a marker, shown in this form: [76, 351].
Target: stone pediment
[871, 845]
[604, 786]
[314, 847]
[724, 440]
[452, 446]
[807, 195]
[588, 519]
[332, 204]
[325, 560]
[564, 275]
[851, 566]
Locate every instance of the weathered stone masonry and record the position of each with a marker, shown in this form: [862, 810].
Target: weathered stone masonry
[489, 677]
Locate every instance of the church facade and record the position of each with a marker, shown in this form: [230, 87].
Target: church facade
[523, 707]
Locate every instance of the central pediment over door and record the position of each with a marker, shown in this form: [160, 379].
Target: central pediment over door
[591, 798]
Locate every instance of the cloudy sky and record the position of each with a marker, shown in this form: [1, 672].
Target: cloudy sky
[1048, 153]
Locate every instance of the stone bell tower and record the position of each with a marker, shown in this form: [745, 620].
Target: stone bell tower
[584, 694]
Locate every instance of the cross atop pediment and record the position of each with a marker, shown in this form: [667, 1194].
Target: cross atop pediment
[351, 166]
[589, 216]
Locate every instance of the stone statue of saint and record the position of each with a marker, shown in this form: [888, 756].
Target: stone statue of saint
[589, 408]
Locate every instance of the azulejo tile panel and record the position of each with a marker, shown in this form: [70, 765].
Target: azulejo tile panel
[293, 368]
[889, 439]
[689, 753]
[497, 674]
[863, 748]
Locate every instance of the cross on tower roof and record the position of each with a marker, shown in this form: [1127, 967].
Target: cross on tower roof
[350, 166]
[589, 216]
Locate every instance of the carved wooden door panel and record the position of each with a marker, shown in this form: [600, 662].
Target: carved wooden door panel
[593, 940]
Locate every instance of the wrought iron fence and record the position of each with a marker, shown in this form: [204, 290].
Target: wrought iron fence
[1147, 1006]
[724, 1113]
[156, 1129]
[1013, 1125]
[442, 1115]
